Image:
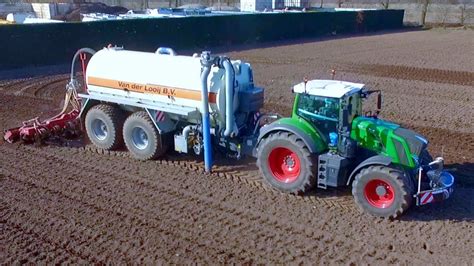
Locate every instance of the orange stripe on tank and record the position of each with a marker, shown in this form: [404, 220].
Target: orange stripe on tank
[150, 89]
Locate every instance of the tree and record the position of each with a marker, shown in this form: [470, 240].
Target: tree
[443, 12]
[465, 15]
[176, 3]
[385, 3]
[339, 3]
[424, 10]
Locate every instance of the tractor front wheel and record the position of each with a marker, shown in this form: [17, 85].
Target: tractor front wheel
[382, 191]
[286, 163]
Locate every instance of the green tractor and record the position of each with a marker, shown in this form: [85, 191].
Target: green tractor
[329, 142]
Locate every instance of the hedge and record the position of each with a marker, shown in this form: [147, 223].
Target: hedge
[48, 44]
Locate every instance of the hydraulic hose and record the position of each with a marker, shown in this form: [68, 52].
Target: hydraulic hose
[82, 50]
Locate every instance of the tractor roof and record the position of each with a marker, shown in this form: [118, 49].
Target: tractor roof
[327, 88]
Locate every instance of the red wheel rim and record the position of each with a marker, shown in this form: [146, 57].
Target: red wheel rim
[379, 193]
[284, 165]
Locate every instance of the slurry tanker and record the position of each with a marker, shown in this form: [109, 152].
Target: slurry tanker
[154, 102]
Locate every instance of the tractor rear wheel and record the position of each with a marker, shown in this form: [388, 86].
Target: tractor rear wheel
[383, 191]
[142, 138]
[104, 126]
[286, 163]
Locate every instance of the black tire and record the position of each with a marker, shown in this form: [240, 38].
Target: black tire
[396, 191]
[269, 152]
[142, 138]
[104, 126]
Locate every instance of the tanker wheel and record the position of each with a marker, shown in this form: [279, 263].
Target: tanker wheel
[286, 163]
[104, 126]
[383, 191]
[142, 138]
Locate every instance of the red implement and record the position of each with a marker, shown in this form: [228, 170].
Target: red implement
[35, 129]
[63, 124]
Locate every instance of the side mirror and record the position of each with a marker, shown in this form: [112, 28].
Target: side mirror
[379, 101]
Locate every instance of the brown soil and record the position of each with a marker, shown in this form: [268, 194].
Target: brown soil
[83, 205]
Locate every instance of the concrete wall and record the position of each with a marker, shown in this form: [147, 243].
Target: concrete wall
[40, 10]
[6, 8]
[256, 5]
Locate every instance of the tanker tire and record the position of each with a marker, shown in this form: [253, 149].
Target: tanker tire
[149, 149]
[111, 118]
[401, 185]
[308, 164]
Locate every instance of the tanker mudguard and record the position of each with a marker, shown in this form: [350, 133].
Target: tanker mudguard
[374, 160]
[266, 130]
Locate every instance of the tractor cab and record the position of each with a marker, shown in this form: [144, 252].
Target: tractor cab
[329, 142]
[330, 106]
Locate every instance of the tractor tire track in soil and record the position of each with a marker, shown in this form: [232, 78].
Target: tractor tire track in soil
[109, 196]
[463, 78]
[174, 193]
[80, 204]
[38, 88]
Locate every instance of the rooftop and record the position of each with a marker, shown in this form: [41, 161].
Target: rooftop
[327, 88]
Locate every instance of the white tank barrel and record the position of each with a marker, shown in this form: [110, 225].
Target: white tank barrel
[164, 78]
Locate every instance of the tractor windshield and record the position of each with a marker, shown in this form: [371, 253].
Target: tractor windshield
[322, 112]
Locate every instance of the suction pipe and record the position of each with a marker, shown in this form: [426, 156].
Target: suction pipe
[80, 51]
[229, 96]
[206, 63]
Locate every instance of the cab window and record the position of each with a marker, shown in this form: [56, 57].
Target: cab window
[322, 112]
[317, 107]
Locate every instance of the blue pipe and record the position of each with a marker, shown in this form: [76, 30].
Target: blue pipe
[206, 63]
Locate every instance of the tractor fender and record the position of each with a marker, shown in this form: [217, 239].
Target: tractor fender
[308, 141]
[374, 160]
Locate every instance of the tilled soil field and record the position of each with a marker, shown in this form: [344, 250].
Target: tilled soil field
[79, 204]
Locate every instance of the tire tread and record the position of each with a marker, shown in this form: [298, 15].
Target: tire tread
[117, 116]
[397, 176]
[310, 163]
[159, 149]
